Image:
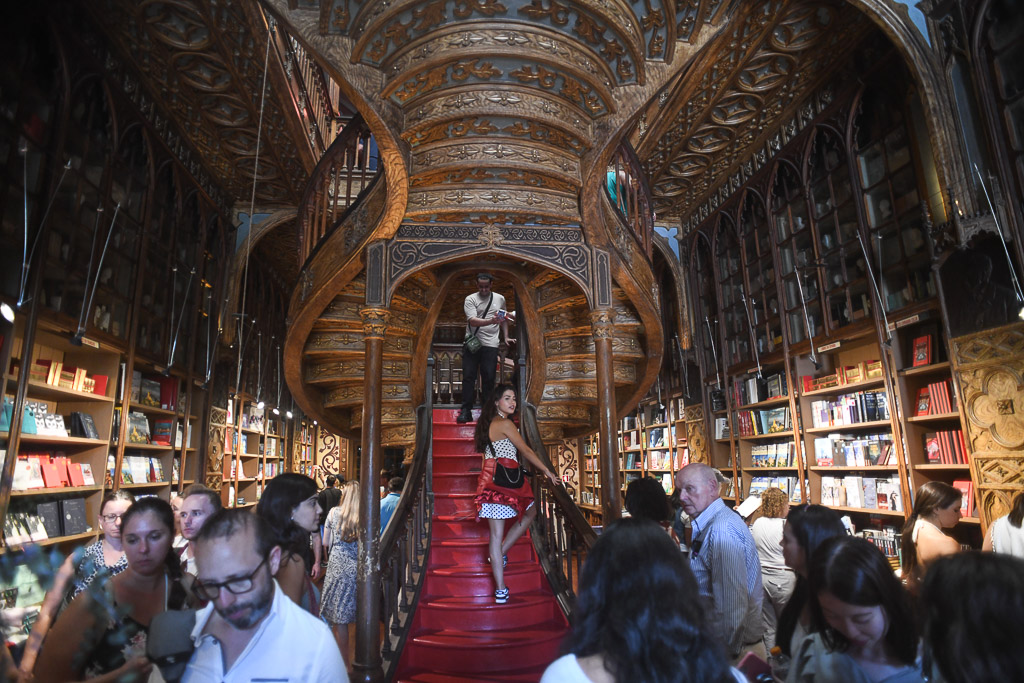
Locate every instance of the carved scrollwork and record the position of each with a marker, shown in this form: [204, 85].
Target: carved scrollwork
[602, 323]
[375, 322]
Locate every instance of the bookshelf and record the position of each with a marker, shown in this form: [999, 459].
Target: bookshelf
[652, 442]
[303, 443]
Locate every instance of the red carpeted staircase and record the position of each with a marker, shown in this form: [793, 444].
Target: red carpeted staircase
[458, 633]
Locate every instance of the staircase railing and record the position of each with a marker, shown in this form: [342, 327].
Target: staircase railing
[561, 535]
[345, 171]
[405, 545]
[628, 190]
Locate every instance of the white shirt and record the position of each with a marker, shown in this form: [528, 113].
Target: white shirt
[767, 532]
[567, 670]
[1006, 538]
[289, 646]
[474, 307]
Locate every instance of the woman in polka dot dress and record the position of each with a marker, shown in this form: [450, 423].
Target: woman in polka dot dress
[499, 440]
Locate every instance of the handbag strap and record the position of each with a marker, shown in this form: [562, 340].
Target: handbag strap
[474, 330]
[519, 465]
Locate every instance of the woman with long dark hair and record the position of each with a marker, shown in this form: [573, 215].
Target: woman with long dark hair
[498, 439]
[806, 528]
[1006, 534]
[638, 615]
[864, 623]
[936, 507]
[973, 606]
[92, 640]
[290, 507]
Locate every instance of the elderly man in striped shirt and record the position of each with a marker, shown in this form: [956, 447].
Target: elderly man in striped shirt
[724, 562]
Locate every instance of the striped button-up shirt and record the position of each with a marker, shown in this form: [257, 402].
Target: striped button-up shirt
[724, 561]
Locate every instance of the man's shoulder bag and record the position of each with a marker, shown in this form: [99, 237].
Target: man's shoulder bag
[472, 343]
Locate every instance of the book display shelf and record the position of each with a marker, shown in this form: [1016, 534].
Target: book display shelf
[303, 447]
[652, 443]
[252, 452]
[821, 338]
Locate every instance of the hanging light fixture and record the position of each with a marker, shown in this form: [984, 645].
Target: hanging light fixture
[259, 370]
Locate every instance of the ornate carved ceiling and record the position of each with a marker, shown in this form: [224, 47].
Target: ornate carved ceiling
[203, 65]
[773, 55]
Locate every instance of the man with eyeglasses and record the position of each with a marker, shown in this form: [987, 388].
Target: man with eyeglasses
[251, 630]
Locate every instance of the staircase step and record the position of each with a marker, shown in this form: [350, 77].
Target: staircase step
[460, 581]
[528, 675]
[455, 505]
[445, 430]
[455, 482]
[482, 614]
[451, 526]
[473, 552]
[457, 464]
[468, 651]
[455, 446]
[450, 415]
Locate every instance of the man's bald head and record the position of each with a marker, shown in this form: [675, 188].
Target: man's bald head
[698, 487]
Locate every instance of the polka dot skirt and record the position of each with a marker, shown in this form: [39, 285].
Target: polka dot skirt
[497, 511]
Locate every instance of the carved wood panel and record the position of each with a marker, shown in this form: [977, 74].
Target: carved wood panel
[989, 367]
[696, 434]
[214, 475]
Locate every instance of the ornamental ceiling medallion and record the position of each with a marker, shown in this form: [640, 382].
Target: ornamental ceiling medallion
[203, 65]
[757, 73]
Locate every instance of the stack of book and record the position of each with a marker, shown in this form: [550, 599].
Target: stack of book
[50, 471]
[56, 373]
[935, 399]
[755, 389]
[761, 422]
[141, 469]
[789, 485]
[864, 371]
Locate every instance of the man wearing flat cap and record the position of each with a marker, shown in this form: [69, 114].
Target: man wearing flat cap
[482, 316]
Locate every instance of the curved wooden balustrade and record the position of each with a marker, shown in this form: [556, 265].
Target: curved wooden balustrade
[405, 546]
[342, 174]
[628, 191]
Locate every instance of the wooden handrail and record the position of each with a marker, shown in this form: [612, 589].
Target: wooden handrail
[405, 545]
[561, 535]
[344, 173]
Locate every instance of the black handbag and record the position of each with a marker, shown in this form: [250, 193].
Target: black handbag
[507, 477]
[472, 343]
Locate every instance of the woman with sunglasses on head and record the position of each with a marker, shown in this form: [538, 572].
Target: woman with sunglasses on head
[101, 637]
[290, 507]
[499, 440]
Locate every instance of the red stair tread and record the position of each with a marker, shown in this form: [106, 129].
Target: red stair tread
[459, 639]
[531, 675]
[483, 603]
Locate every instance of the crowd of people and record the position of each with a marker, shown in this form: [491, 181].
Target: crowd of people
[190, 591]
[828, 606]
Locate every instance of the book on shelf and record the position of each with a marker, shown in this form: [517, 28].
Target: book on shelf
[849, 409]
[940, 398]
[773, 455]
[888, 539]
[966, 488]
[922, 351]
[722, 428]
[946, 447]
[843, 450]
[28, 474]
[923, 402]
[87, 476]
[83, 425]
[862, 492]
[162, 431]
[138, 428]
[149, 392]
[788, 485]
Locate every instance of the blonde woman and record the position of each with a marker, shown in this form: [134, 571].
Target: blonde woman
[776, 578]
[338, 600]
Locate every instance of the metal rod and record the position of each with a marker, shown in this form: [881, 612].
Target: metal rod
[99, 267]
[750, 323]
[999, 231]
[181, 315]
[714, 352]
[39, 231]
[88, 269]
[807, 319]
[874, 287]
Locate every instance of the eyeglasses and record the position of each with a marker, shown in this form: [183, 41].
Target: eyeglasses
[110, 519]
[208, 590]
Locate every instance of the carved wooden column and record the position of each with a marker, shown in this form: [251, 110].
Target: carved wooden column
[602, 322]
[696, 435]
[989, 369]
[367, 663]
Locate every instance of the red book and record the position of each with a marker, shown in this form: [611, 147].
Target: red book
[931, 448]
[924, 402]
[62, 469]
[75, 474]
[100, 389]
[169, 393]
[51, 474]
[922, 351]
[967, 489]
[945, 448]
[963, 443]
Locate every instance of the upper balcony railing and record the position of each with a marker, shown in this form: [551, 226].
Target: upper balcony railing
[628, 191]
[347, 168]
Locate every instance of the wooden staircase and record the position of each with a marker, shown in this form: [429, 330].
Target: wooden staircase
[458, 633]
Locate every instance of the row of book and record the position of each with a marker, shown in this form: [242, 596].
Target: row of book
[760, 422]
[657, 437]
[632, 460]
[946, 447]
[138, 469]
[935, 399]
[789, 485]
[49, 519]
[659, 460]
[57, 374]
[848, 374]
[268, 470]
[755, 389]
[269, 448]
[848, 409]
[888, 539]
[773, 455]
[50, 471]
[155, 391]
[868, 493]
[844, 450]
